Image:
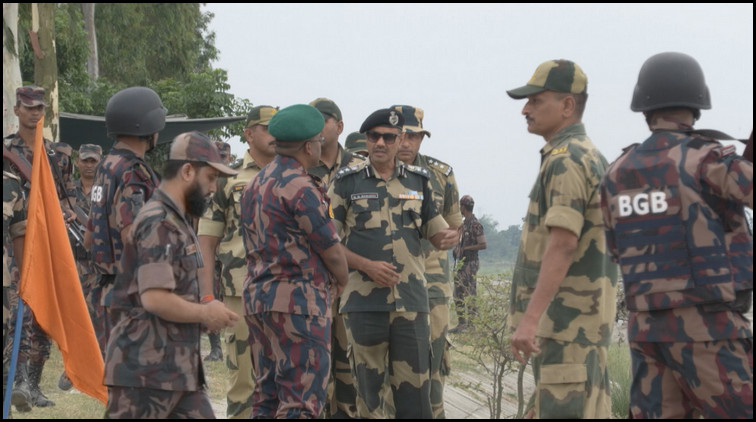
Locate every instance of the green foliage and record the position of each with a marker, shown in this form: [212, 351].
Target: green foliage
[501, 246]
[488, 338]
[620, 379]
[143, 42]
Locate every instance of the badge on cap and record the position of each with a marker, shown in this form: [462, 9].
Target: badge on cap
[393, 118]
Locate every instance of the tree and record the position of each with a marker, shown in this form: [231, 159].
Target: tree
[45, 63]
[88, 13]
[11, 66]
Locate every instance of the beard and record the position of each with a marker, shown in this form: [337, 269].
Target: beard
[196, 200]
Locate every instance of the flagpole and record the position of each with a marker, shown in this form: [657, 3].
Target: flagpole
[14, 358]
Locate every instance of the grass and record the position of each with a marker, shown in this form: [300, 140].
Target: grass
[73, 404]
[620, 378]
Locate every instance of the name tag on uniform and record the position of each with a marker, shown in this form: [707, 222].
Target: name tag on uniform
[238, 188]
[411, 194]
[368, 195]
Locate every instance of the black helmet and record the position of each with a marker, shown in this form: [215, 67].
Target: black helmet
[135, 111]
[671, 80]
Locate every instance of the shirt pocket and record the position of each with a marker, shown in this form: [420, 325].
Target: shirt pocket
[367, 213]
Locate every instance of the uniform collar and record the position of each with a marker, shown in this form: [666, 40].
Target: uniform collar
[561, 137]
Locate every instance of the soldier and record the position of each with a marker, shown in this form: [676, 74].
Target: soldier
[123, 183]
[564, 286]
[152, 365]
[334, 156]
[356, 144]
[87, 160]
[216, 352]
[382, 207]
[220, 229]
[675, 222]
[472, 239]
[341, 401]
[34, 348]
[437, 271]
[294, 258]
[14, 227]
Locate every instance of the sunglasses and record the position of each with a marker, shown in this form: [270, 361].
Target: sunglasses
[388, 138]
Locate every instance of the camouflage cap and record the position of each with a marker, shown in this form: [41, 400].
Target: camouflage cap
[327, 107]
[554, 75]
[413, 118]
[260, 115]
[356, 143]
[196, 146]
[31, 96]
[467, 201]
[224, 149]
[90, 151]
[385, 117]
[297, 122]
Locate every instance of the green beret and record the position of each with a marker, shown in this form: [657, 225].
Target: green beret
[294, 123]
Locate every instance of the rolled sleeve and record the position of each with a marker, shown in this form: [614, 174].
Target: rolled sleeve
[155, 275]
[566, 218]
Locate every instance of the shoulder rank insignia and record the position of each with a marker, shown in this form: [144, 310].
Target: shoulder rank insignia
[236, 163]
[418, 170]
[349, 170]
[560, 150]
[440, 166]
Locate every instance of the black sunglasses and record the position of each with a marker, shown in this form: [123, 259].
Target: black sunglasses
[388, 138]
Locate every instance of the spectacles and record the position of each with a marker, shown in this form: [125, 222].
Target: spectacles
[321, 140]
[388, 138]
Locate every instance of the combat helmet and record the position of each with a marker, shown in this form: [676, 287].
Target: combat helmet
[135, 111]
[671, 80]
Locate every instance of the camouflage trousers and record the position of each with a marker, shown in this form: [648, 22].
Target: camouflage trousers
[148, 403]
[342, 397]
[99, 318]
[465, 285]
[713, 379]
[572, 381]
[239, 363]
[390, 350]
[291, 355]
[440, 354]
[34, 347]
[106, 319]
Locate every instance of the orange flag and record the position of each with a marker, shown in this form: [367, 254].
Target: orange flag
[50, 284]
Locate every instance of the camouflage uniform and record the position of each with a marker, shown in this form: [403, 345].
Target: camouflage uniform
[34, 347]
[356, 144]
[342, 397]
[575, 330]
[145, 351]
[122, 184]
[14, 225]
[674, 210]
[465, 283]
[395, 213]
[222, 220]
[438, 275]
[286, 296]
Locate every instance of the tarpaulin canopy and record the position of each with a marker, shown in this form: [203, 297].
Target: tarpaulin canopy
[77, 129]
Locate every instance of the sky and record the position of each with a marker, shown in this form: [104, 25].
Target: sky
[456, 61]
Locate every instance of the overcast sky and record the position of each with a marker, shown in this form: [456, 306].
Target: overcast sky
[456, 61]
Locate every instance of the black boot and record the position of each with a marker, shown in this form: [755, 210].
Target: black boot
[21, 396]
[35, 375]
[216, 353]
[64, 383]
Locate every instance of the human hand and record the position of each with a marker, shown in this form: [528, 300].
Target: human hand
[382, 273]
[524, 340]
[216, 316]
[445, 239]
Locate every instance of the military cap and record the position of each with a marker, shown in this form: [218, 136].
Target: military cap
[356, 143]
[554, 75]
[31, 96]
[327, 107]
[467, 201]
[196, 146]
[224, 149]
[297, 122]
[385, 117]
[260, 115]
[90, 151]
[413, 118]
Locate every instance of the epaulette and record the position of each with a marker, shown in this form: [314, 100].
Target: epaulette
[560, 150]
[439, 165]
[236, 163]
[418, 170]
[629, 147]
[344, 171]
